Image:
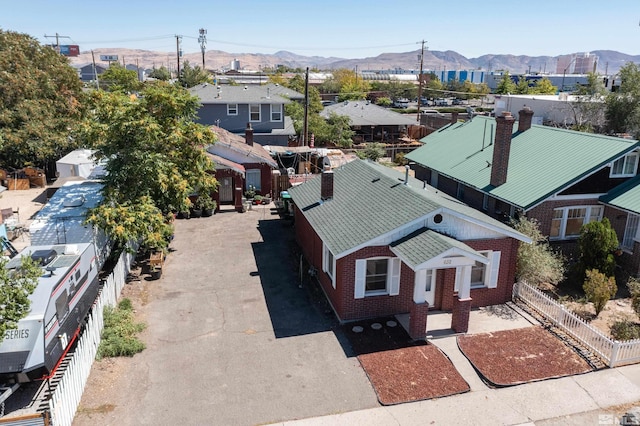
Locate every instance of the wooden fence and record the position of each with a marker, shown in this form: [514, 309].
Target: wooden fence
[66, 397]
[613, 352]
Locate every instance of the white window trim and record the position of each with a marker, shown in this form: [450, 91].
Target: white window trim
[392, 287]
[259, 113]
[630, 227]
[253, 172]
[229, 109]
[329, 264]
[563, 221]
[633, 155]
[491, 272]
[278, 112]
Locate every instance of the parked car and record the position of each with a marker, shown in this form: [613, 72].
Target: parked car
[441, 102]
[457, 102]
[401, 103]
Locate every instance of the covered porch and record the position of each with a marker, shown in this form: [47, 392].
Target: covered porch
[431, 255]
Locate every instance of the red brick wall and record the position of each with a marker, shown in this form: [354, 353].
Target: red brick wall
[543, 213]
[348, 308]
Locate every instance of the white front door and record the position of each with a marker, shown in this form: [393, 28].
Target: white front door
[425, 286]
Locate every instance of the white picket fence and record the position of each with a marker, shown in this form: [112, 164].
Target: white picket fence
[66, 397]
[613, 352]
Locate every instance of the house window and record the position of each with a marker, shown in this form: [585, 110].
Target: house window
[567, 221]
[460, 191]
[376, 279]
[232, 109]
[377, 276]
[434, 178]
[253, 179]
[276, 112]
[625, 166]
[254, 112]
[630, 231]
[328, 264]
[483, 275]
[485, 202]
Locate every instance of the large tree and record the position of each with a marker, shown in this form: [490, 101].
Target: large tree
[588, 106]
[506, 85]
[39, 102]
[16, 286]
[117, 78]
[155, 156]
[192, 76]
[623, 106]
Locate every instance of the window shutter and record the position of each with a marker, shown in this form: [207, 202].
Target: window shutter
[361, 276]
[495, 269]
[394, 288]
[456, 286]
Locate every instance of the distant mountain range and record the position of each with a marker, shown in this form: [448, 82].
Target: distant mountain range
[609, 62]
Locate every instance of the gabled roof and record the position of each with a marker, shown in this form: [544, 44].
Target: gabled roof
[227, 141]
[543, 160]
[247, 94]
[625, 196]
[364, 113]
[371, 201]
[223, 163]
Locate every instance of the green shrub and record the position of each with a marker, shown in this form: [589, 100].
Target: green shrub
[400, 160]
[599, 289]
[625, 330]
[120, 330]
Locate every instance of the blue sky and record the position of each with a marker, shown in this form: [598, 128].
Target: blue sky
[342, 28]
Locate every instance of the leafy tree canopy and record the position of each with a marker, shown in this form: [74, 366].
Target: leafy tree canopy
[155, 158]
[117, 78]
[15, 288]
[537, 262]
[161, 73]
[40, 101]
[596, 244]
[192, 76]
[506, 85]
[623, 106]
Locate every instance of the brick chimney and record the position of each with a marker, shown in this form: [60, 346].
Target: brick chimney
[525, 115]
[248, 135]
[454, 117]
[326, 184]
[501, 148]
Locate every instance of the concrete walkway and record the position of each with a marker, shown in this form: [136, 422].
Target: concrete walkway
[581, 400]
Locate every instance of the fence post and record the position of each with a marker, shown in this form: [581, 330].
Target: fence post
[614, 354]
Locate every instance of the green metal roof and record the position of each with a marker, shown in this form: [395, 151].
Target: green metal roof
[625, 196]
[425, 244]
[370, 200]
[543, 160]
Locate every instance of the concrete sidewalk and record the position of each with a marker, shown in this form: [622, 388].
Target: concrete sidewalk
[582, 399]
[587, 399]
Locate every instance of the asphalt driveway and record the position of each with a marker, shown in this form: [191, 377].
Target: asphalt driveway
[232, 336]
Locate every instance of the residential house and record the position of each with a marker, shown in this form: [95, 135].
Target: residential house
[232, 107]
[239, 163]
[88, 72]
[561, 178]
[382, 243]
[372, 122]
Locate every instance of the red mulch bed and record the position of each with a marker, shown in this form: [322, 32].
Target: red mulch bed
[512, 357]
[412, 374]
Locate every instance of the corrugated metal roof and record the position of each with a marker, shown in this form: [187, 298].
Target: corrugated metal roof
[371, 200]
[543, 160]
[625, 196]
[364, 113]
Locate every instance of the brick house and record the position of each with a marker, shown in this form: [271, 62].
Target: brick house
[384, 244]
[232, 107]
[561, 178]
[239, 163]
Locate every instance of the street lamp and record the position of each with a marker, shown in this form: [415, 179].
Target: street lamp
[564, 72]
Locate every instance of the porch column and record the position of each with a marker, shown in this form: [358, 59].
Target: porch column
[418, 320]
[238, 199]
[462, 303]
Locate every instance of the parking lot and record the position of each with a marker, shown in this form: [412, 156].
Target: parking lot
[233, 337]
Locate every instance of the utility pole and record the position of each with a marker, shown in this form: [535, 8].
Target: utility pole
[95, 71]
[57, 37]
[178, 52]
[202, 39]
[305, 129]
[420, 80]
